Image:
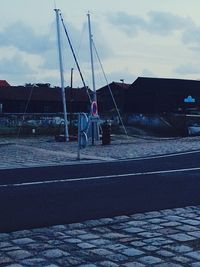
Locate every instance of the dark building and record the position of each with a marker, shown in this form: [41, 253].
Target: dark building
[144, 95]
[157, 95]
[105, 99]
[41, 98]
[151, 96]
[4, 83]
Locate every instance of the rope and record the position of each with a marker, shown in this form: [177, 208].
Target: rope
[26, 107]
[115, 104]
[73, 53]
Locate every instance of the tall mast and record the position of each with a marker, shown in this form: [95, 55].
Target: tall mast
[94, 124]
[91, 55]
[61, 74]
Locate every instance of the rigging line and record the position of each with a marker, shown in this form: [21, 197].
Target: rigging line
[79, 47]
[25, 110]
[77, 64]
[115, 104]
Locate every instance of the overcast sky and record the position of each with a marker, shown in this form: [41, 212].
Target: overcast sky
[152, 38]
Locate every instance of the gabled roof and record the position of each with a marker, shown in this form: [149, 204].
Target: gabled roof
[165, 84]
[4, 83]
[114, 85]
[121, 84]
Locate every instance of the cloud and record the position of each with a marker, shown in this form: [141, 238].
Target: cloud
[50, 60]
[130, 24]
[102, 47]
[50, 56]
[15, 66]
[24, 38]
[165, 23]
[187, 69]
[159, 23]
[80, 43]
[191, 37]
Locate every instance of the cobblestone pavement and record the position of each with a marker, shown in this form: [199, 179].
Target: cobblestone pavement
[45, 151]
[160, 238]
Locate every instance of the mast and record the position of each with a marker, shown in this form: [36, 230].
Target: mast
[94, 117]
[61, 75]
[91, 55]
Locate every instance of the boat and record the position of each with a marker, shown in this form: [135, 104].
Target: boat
[194, 130]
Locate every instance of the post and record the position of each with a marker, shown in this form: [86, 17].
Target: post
[79, 137]
[72, 70]
[91, 55]
[61, 75]
[70, 98]
[92, 67]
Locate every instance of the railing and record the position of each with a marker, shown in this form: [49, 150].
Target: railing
[35, 123]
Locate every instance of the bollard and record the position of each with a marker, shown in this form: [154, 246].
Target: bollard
[106, 133]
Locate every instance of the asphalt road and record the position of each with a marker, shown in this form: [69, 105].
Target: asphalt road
[44, 196]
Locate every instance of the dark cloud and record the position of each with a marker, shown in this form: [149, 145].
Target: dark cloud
[24, 38]
[80, 44]
[164, 23]
[160, 23]
[130, 24]
[51, 56]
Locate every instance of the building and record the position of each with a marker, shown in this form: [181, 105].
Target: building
[158, 95]
[145, 95]
[150, 96]
[42, 98]
[4, 83]
[105, 96]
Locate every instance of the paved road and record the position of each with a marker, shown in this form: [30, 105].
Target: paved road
[35, 197]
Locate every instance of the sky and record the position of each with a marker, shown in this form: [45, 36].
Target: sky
[149, 38]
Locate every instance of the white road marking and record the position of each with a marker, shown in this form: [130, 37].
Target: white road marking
[113, 176]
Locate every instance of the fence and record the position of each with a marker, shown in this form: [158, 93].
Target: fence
[35, 124]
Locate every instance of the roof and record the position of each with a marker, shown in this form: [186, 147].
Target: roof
[42, 94]
[166, 84]
[121, 84]
[4, 83]
[114, 86]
